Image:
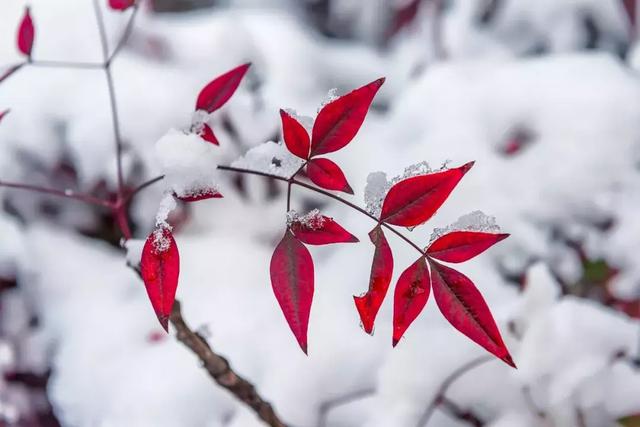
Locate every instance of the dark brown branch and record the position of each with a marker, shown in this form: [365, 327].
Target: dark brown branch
[440, 398]
[219, 370]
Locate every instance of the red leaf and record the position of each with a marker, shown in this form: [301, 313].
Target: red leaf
[460, 246]
[292, 282]
[411, 295]
[217, 92]
[414, 200]
[121, 4]
[160, 267]
[339, 121]
[4, 113]
[322, 231]
[381, 272]
[26, 33]
[463, 306]
[630, 8]
[202, 195]
[326, 174]
[10, 71]
[208, 135]
[295, 136]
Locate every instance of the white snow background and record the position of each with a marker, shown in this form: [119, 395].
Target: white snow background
[95, 322]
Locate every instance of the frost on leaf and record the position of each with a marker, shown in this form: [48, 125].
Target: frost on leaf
[412, 201]
[410, 297]
[464, 307]
[292, 278]
[314, 228]
[26, 33]
[369, 304]
[332, 95]
[189, 165]
[160, 268]
[270, 157]
[473, 221]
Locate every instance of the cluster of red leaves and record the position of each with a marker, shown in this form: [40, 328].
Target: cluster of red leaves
[160, 263]
[408, 203]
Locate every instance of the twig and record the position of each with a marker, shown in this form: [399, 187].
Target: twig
[326, 407]
[437, 9]
[528, 398]
[68, 194]
[125, 35]
[220, 371]
[440, 398]
[64, 64]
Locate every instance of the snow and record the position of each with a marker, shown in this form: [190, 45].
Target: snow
[188, 162]
[312, 219]
[473, 221]
[270, 157]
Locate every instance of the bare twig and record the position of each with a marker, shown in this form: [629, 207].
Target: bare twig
[125, 35]
[221, 372]
[65, 64]
[437, 10]
[440, 398]
[326, 407]
[68, 194]
[528, 398]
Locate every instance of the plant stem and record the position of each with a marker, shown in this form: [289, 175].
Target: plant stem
[64, 64]
[68, 194]
[327, 194]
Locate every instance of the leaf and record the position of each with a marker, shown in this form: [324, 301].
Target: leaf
[629, 421]
[202, 195]
[4, 113]
[217, 92]
[292, 281]
[26, 33]
[322, 231]
[160, 268]
[460, 246]
[339, 121]
[411, 295]
[326, 174]
[208, 135]
[464, 307]
[369, 304]
[121, 4]
[295, 136]
[414, 200]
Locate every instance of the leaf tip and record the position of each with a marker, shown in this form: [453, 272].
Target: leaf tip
[365, 317]
[380, 81]
[509, 361]
[164, 322]
[465, 168]
[395, 341]
[347, 189]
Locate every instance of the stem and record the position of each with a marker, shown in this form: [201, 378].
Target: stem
[327, 194]
[125, 35]
[327, 406]
[68, 194]
[63, 64]
[440, 397]
[289, 184]
[219, 369]
[142, 186]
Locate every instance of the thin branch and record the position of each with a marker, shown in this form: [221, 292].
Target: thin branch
[64, 64]
[440, 398]
[125, 35]
[68, 194]
[325, 193]
[528, 398]
[142, 186]
[102, 30]
[219, 370]
[327, 406]
[437, 10]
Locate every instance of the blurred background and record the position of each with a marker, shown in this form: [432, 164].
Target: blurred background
[544, 96]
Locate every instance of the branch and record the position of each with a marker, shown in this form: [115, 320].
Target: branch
[325, 407]
[220, 371]
[67, 194]
[125, 34]
[440, 398]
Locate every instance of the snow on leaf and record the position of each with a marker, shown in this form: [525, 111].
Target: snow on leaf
[316, 229]
[374, 192]
[160, 268]
[473, 221]
[464, 307]
[338, 122]
[201, 195]
[217, 92]
[291, 272]
[295, 135]
[414, 200]
[369, 304]
[328, 175]
[460, 246]
[26, 33]
[189, 164]
[410, 297]
[167, 204]
[270, 157]
[121, 4]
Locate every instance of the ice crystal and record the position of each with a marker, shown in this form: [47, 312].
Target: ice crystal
[474, 221]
